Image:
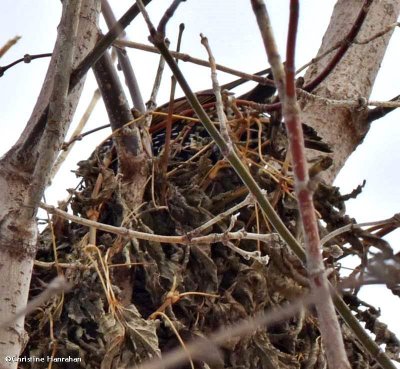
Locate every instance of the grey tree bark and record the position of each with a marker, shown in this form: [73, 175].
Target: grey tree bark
[24, 169]
[353, 78]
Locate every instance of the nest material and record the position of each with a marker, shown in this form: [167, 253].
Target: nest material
[117, 328]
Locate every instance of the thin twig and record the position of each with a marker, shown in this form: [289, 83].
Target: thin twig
[349, 227]
[124, 61]
[219, 105]
[360, 103]
[183, 240]
[381, 33]
[140, 4]
[84, 134]
[26, 59]
[351, 35]
[104, 43]
[152, 103]
[247, 201]
[53, 264]
[190, 59]
[168, 126]
[57, 118]
[75, 135]
[320, 57]
[341, 42]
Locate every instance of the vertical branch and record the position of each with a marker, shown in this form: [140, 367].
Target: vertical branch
[24, 170]
[78, 130]
[217, 92]
[262, 17]
[130, 142]
[112, 92]
[58, 115]
[152, 103]
[104, 43]
[124, 62]
[168, 130]
[329, 325]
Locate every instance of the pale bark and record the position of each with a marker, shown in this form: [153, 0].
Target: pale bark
[30, 156]
[344, 129]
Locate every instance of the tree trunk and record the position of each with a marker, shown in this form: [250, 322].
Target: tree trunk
[19, 183]
[353, 78]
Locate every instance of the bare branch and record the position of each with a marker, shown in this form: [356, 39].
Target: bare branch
[387, 29]
[124, 61]
[77, 133]
[168, 127]
[26, 59]
[152, 103]
[104, 43]
[329, 325]
[204, 63]
[169, 13]
[183, 240]
[395, 220]
[356, 42]
[219, 105]
[58, 115]
[247, 201]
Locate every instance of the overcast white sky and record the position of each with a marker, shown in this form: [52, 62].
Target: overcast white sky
[234, 38]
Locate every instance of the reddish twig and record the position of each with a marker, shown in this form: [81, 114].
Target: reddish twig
[347, 41]
[329, 325]
[290, 50]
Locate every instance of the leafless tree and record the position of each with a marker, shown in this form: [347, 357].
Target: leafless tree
[145, 203]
